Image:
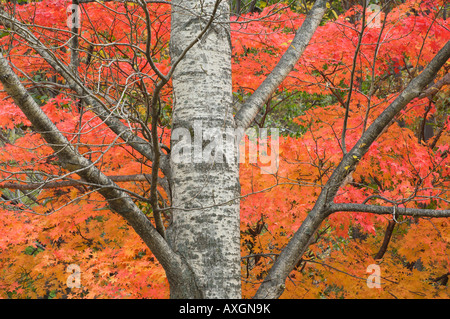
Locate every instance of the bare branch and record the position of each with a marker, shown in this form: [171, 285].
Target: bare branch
[386, 210]
[387, 237]
[71, 183]
[432, 90]
[352, 75]
[118, 200]
[140, 145]
[254, 103]
[273, 285]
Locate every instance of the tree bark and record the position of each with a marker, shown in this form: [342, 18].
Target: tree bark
[207, 239]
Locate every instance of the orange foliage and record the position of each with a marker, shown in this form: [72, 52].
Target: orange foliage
[78, 228]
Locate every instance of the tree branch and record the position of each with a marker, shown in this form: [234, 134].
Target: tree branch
[71, 183]
[74, 41]
[255, 102]
[432, 90]
[413, 90]
[71, 160]
[387, 238]
[273, 285]
[352, 75]
[386, 210]
[140, 145]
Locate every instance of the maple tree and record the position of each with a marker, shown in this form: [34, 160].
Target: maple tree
[359, 179]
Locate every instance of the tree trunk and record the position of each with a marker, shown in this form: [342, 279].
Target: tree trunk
[204, 231]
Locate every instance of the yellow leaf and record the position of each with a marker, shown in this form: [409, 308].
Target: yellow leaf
[73, 193]
[335, 14]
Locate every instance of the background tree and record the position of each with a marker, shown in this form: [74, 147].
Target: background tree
[99, 102]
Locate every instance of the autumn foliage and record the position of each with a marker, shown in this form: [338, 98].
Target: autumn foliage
[44, 230]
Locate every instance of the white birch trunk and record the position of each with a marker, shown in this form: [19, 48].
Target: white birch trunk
[208, 239]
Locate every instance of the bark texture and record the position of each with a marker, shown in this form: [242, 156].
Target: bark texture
[204, 232]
